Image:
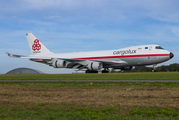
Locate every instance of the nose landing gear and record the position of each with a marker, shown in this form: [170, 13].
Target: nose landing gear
[154, 69]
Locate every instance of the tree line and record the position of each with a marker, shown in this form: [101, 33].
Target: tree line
[163, 68]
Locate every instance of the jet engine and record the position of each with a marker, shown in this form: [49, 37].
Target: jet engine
[59, 64]
[95, 66]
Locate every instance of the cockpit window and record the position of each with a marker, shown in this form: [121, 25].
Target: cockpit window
[158, 47]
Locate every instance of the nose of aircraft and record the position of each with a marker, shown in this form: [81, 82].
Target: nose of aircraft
[171, 55]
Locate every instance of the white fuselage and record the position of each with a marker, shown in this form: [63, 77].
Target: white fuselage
[133, 56]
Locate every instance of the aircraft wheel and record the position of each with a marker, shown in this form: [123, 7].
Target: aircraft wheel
[94, 71]
[91, 71]
[153, 70]
[105, 71]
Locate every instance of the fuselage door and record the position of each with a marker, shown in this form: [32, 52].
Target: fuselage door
[150, 48]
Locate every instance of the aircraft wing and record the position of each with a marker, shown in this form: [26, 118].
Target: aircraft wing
[72, 63]
[85, 62]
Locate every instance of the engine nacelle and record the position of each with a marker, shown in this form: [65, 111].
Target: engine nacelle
[95, 66]
[59, 64]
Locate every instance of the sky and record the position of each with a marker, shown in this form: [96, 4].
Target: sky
[85, 25]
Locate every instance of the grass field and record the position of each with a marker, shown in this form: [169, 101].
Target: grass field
[90, 100]
[111, 76]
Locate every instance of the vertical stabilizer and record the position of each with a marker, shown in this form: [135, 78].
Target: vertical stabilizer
[36, 47]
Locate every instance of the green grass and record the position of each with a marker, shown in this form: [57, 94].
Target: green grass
[50, 112]
[110, 76]
[91, 84]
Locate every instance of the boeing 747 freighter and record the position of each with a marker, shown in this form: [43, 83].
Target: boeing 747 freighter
[95, 61]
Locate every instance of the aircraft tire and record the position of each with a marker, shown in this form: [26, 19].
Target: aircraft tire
[91, 71]
[87, 71]
[105, 71]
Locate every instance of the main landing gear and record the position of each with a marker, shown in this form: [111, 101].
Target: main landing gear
[106, 70]
[91, 71]
[94, 71]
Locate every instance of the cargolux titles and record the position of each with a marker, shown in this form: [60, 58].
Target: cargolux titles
[123, 52]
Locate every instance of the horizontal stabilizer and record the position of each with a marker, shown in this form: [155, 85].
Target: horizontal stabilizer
[16, 56]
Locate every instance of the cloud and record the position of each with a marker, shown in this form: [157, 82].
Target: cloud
[86, 25]
[175, 31]
[100, 10]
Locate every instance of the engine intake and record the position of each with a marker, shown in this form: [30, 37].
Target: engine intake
[95, 66]
[59, 64]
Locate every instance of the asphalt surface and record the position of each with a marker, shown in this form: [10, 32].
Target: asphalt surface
[89, 80]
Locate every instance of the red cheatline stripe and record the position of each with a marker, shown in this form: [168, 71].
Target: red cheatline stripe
[125, 56]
